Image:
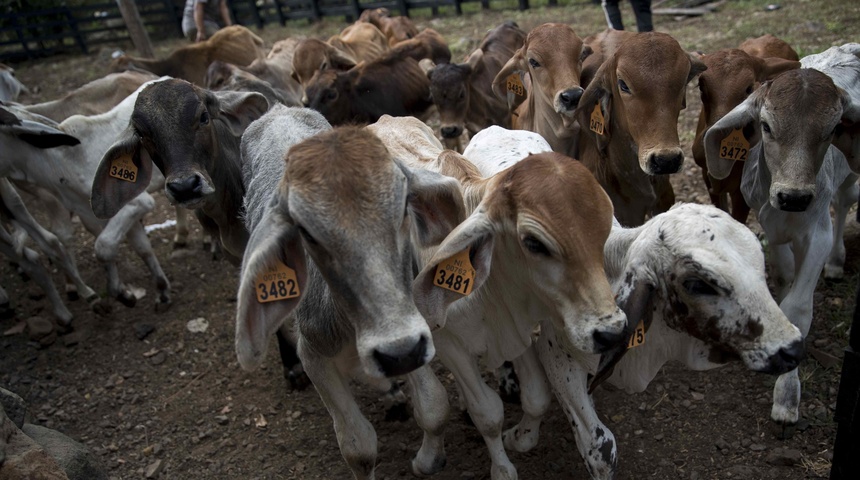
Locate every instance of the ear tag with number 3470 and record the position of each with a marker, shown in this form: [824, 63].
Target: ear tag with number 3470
[455, 273]
[597, 123]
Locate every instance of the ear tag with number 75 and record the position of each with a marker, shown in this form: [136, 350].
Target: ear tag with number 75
[455, 273]
[277, 283]
[638, 337]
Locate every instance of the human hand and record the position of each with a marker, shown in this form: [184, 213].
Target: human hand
[201, 35]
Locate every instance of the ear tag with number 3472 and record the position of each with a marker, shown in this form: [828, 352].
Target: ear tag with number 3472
[735, 146]
[455, 273]
[277, 283]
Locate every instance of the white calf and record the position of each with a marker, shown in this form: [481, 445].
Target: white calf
[790, 179]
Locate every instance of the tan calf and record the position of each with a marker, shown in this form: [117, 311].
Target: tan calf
[733, 75]
[768, 46]
[396, 29]
[552, 57]
[629, 117]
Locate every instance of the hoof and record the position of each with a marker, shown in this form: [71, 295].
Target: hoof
[127, 298]
[72, 295]
[435, 466]
[785, 431]
[162, 305]
[398, 412]
[297, 381]
[180, 245]
[833, 273]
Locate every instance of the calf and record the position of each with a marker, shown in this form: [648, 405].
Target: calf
[234, 44]
[692, 282]
[790, 178]
[340, 221]
[551, 57]
[645, 78]
[224, 76]
[426, 44]
[10, 86]
[732, 75]
[396, 29]
[392, 85]
[768, 46]
[525, 256]
[462, 91]
[358, 42]
[67, 173]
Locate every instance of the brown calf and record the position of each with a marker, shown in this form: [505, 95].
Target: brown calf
[272, 73]
[731, 77]
[552, 57]
[462, 92]
[629, 117]
[426, 44]
[389, 85]
[768, 46]
[396, 29]
[234, 44]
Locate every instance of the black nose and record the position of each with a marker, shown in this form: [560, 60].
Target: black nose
[787, 358]
[570, 98]
[794, 200]
[452, 131]
[603, 341]
[666, 163]
[186, 188]
[393, 365]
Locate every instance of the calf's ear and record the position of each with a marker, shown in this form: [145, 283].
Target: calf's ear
[116, 182]
[436, 205]
[239, 109]
[516, 65]
[635, 299]
[429, 291]
[598, 93]
[697, 66]
[744, 117]
[769, 68]
[274, 254]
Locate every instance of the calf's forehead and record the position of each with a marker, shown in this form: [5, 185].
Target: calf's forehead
[164, 103]
[654, 60]
[554, 43]
[802, 100]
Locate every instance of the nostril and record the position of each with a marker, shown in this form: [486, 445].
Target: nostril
[393, 365]
[570, 98]
[606, 340]
[665, 164]
[451, 132]
[185, 188]
[793, 354]
[794, 201]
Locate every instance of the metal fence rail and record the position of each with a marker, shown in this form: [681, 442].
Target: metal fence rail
[63, 29]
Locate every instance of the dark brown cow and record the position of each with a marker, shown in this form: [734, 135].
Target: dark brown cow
[733, 75]
[234, 44]
[551, 57]
[396, 29]
[356, 43]
[629, 117]
[389, 85]
[463, 93]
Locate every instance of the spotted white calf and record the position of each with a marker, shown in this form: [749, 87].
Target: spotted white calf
[790, 178]
[339, 225]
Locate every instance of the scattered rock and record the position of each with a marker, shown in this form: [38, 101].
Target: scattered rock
[142, 330]
[820, 342]
[697, 396]
[14, 407]
[138, 292]
[74, 458]
[48, 340]
[198, 325]
[757, 447]
[784, 457]
[825, 359]
[158, 358]
[72, 339]
[222, 419]
[16, 329]
[181, 253]
[659, 437]
[38, 328]
[722, 444]
[686, 403]
[154, 469]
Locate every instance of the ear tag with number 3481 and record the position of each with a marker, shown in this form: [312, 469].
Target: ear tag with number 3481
[455, 273]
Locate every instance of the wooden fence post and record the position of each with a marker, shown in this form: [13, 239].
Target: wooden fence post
[135, 28]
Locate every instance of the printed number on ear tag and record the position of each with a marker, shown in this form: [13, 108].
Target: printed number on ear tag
[638, 337]
[515, 85]
[456, 274]
[278, 283]
[735, 146]
[124, 169]
[597, 122]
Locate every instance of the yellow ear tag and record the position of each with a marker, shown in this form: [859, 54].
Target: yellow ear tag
[124, 169]
[456, 274]
[638, 337]
[735, 146]
[278, 283]
[597, 122]
[515, 85]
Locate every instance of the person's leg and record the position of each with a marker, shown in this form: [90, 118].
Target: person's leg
[210, 27]
[189, 30]
[642, 10]
[613, 14]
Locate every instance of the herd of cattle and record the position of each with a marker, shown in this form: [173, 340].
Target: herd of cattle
[360, 236]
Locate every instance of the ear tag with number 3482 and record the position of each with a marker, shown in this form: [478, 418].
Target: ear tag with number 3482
[277, 283]
[455, 273]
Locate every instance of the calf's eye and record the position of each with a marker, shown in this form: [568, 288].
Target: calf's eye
[534, 245]
[204, 118]
[765, 127]
[695, 286]
[623, 86]
[534, 63]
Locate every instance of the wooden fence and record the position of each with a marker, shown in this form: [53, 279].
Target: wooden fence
[41, 33]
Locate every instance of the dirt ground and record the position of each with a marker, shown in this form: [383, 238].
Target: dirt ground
[179, 398]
